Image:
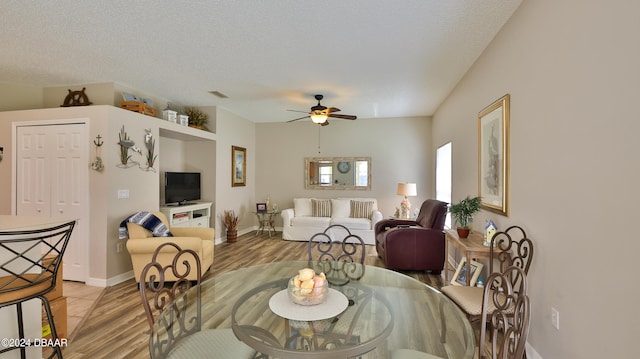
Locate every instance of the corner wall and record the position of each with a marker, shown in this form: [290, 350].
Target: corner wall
[19, 97]
[237, 132]
[571, 68]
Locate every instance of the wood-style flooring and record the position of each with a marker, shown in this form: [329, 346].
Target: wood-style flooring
[117, 327]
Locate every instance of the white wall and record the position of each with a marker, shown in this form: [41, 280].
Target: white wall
[234, 131]
[400, 151]
[19, 97]
[571, 68]
[98, 94]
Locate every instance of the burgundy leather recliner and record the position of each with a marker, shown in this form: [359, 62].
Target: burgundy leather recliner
[421, 246]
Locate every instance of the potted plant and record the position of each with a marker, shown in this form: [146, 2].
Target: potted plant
[463, 211]
[197, 118]
[230, 221]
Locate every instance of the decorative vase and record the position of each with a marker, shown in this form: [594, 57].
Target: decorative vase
[232, 235]
[463, 232]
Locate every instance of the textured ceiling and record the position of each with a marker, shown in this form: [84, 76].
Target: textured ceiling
[371, 58]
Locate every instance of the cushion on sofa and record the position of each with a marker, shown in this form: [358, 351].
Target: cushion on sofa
[302, 207]
[310, 221]
[321, 207]
[361, 209]
[340, 208]
[353, 223]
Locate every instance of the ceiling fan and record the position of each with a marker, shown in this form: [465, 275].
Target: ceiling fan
[319, 114]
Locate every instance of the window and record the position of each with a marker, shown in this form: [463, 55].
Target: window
[326, 173]
[362, 173]
[443, 177]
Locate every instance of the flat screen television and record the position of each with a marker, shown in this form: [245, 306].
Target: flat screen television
[181, 187]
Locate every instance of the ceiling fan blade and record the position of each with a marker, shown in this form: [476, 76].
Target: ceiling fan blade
[333, 109]
[296, 119]
[344, 117]
[298, 111]
[325, 123]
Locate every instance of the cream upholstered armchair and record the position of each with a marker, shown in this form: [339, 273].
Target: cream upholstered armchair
[141, 245]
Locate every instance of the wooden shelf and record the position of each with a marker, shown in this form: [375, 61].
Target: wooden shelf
[184, 133]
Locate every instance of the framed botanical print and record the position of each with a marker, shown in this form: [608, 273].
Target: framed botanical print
[493, 156]
[238, 166]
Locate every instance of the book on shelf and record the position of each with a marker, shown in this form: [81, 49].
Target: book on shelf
[180, 217]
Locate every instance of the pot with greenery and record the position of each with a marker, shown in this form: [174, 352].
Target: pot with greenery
[230, 221]
[464, 211]
[197, 118]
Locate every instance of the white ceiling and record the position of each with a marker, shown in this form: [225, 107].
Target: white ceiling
[370, 58]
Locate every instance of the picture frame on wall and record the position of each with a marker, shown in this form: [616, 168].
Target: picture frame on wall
[460, 276]
[493, 156]
[238, 166]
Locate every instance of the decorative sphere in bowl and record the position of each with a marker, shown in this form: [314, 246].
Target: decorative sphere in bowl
[307, 288]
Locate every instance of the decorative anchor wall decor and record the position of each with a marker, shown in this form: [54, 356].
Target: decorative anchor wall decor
[97, 165]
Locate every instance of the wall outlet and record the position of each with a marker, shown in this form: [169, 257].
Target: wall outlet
[119, 247]
[123, 193]
[555, 318]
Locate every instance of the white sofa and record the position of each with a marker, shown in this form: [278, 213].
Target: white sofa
[310, 216]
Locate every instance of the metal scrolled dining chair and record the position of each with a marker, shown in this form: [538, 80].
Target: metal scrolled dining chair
[507, 310]
[27, 273]
[508, 251]
[177, 316]
[341, 260]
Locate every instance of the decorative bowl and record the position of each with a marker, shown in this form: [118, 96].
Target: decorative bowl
[307, 296]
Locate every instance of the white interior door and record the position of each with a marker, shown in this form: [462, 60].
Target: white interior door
[52, 180]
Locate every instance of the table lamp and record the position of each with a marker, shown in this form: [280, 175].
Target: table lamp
[406, 189]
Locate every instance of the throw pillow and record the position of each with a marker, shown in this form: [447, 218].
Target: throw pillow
[302, 207]
[340, 208]
[321, 207]
[361, 209]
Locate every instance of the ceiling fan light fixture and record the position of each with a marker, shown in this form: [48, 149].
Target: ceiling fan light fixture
[318, 117]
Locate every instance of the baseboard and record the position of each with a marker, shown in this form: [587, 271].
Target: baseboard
[531, 353]
[99, 282]
[241, 232]
[96, 282]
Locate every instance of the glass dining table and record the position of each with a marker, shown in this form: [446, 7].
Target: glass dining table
[370, 312]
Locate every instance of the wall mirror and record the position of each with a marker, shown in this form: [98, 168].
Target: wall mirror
[350, 173]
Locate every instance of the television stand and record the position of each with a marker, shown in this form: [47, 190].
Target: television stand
[193, 214]
[186, 203]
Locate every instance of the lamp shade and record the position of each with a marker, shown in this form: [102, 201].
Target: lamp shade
[407, 189]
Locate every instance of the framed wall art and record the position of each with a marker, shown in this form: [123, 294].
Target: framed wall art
[261, 207]
[460, 277]
[493, 156]
[238, 166]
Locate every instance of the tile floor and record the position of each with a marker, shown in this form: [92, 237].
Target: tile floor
[80, 300]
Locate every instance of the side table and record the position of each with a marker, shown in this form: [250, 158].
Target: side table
[265, 221]
[471, 247]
